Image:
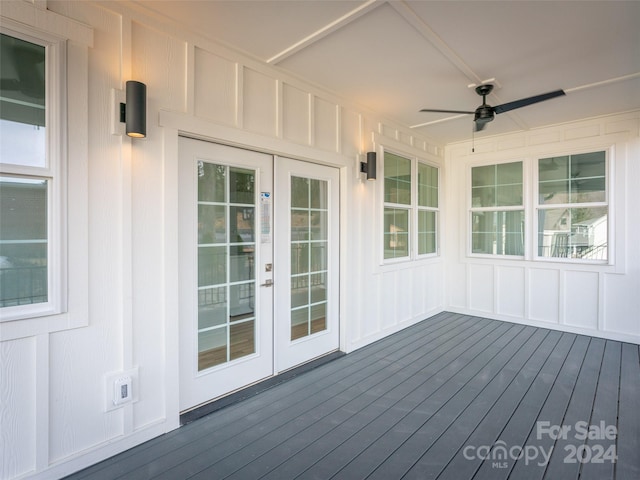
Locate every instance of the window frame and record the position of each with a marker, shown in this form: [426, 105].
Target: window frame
[52, 172]
[537, 206]
[413, 209]
[69, 42]
[496, 208]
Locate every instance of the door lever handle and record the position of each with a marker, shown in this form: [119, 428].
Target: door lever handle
[267, 283]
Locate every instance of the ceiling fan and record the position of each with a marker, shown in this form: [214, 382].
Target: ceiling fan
[486, 113]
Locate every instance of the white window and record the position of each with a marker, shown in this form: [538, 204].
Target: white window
[573, 207]
[31, 200]
[497, 210]
[410, 210]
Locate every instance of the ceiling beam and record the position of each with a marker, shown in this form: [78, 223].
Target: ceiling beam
[425, 30]
[326, 30]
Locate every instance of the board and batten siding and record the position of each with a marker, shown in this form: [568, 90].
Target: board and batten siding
[54, 387]
[594, 299]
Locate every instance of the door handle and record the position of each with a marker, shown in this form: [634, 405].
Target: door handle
[267, 283]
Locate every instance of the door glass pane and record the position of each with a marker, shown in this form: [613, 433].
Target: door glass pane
[212, 307]
[241, 186]
[318, 227]
[299, 322]
[299, 192]
[212, 224]
[226, 264]
[309, 255]
[242, 339]
[212, 182]
[23, 241]
[212, 347]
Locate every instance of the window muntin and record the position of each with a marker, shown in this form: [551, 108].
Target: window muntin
[572, 207]
[410, 211]
[427, 209]
[397, 179]
[497, 209]
[22, 102]
[28, 186]
[23, 241]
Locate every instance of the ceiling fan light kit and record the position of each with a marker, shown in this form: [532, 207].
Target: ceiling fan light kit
[485, 113]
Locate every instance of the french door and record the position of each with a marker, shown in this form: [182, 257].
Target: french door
[307, 273]
[256, 296]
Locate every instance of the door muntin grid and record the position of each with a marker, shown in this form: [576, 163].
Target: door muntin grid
[309, 256]
[226, 264]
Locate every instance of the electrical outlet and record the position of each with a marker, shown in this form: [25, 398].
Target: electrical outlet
[122, 392]
[120, 388]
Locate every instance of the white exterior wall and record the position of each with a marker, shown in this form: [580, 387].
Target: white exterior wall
[600, 300]
[54, 412]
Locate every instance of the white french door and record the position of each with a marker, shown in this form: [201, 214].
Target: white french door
[225, 241]
[307, 267]
[235, 262]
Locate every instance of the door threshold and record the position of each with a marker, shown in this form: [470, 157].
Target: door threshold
[256, 388]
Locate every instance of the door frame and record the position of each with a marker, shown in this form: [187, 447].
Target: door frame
[175, 124]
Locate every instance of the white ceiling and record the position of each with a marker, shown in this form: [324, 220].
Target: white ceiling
[397, 56]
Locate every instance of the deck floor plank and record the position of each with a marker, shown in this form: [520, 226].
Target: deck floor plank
[628, 441]
[579, 409]
[409, 405]
[457, 449]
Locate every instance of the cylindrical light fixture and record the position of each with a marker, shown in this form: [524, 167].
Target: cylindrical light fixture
[136, 109]
[371, 165]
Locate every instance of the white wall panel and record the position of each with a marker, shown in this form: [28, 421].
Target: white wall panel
[622, 309]
[351, 138]
[325, 125]
[79, 396]
[296, 114]
[160, 61]
[17, 407]
[215, 87]
[581, 294]
[457, 282]
[388, 301]
[481, 287]
[434, 288]
[511, 291]
[544, 295]
[259, 102]
[404, 294]
[419, 287]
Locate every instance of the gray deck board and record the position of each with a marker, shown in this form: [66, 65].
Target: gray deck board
[411, 405]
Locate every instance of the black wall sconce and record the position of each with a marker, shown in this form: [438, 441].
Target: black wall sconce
[134, 112]
[369, 167]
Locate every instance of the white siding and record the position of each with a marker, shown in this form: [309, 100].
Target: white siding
[595, 299]
[53, 388]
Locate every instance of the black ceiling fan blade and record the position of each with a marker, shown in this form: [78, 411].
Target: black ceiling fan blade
[445, 111]
[505, 107]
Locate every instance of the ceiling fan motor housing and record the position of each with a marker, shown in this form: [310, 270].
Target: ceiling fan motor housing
[483, 114]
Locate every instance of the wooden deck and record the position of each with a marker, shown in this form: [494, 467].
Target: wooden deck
[454, 397]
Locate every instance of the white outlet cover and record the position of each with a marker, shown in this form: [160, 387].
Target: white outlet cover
[113, 383]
